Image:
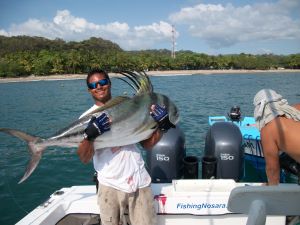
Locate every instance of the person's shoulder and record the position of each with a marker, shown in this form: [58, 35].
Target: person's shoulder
[275, 128]
[269, 127]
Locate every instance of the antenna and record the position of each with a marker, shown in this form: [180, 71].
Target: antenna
[173, 43]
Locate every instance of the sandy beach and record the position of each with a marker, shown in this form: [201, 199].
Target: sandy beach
[150, 73]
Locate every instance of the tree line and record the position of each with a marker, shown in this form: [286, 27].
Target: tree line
[24, 56]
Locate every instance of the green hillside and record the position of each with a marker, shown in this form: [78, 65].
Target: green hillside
[24, 56]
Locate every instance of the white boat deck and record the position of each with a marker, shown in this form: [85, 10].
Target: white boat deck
[180, 202]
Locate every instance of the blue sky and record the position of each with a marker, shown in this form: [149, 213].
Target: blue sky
[211, 27]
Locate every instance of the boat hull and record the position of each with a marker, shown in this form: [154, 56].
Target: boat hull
[179, 202]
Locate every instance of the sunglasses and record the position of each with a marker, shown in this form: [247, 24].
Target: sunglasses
[100, 82]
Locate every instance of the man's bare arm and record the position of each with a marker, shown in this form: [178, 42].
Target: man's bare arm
[150, 142]
[85, 150]
[271, 152]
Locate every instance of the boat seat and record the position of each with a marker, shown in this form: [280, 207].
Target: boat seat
[260, 201]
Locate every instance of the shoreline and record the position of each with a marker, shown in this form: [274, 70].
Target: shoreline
[150, 73]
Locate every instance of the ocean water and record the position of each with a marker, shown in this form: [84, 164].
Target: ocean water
[43, 107]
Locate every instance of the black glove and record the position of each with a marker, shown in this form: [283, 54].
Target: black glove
[97, 126]
[161, 116]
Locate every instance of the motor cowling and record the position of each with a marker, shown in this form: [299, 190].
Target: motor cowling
[235, 113]
[164, 160]
[223, 147]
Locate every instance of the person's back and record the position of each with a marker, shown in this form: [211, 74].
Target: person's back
[285, 133]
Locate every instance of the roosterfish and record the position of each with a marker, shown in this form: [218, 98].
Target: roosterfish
[131, 122]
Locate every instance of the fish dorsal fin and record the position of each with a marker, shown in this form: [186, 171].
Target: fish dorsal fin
[139, 81]
[114, 101]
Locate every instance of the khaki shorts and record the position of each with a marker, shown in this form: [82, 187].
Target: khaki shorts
[114, 203]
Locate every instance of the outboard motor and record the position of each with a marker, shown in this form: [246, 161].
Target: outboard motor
[235, 113]
[164, 160]
[223, 152]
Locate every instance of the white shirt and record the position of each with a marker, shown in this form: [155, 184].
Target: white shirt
[122, 168]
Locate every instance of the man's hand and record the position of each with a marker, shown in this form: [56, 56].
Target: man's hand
[161, 116]
[97, 126]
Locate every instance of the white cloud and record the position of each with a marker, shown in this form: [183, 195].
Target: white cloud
[223, 26]
[216, 24]
[67, 22]
[3, 32]
[69, 27]
[156, 31]
[289, 4]
[34, 27]
[149, 35]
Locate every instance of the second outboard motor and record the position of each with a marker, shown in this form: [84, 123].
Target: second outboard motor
[223, 146]
[164, 160]
[235, 113]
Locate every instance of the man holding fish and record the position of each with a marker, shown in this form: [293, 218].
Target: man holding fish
[122, 176]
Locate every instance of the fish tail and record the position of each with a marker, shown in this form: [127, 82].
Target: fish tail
[34, 149]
